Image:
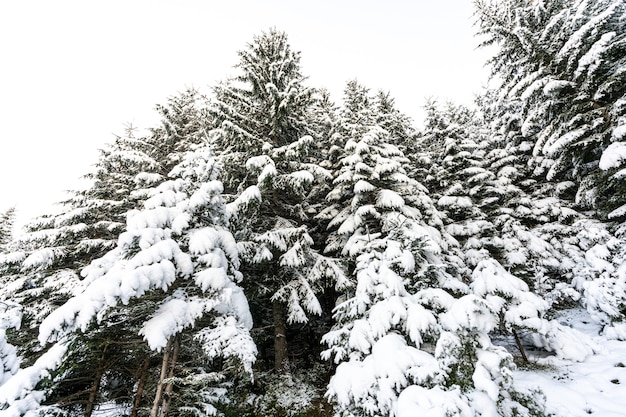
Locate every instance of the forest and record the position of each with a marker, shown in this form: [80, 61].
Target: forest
[269, 250]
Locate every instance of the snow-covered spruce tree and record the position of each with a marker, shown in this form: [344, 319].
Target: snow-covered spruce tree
[499, 223]
[613, 163]
[518, 308]
[7, 220]
[43, 270]
[184, 124]
[265, 141]
[599, 274]
[360, 114]
[397, 124]
[10, 318]
[176, 264]
[55, 248]
[356, 114]
[607, 296]
[443, 122]
[492, 203]
[450, 146]
[328, 150]
[530, 220]
[554, 248]
[404, 342]
[366, 146]
[566, 62]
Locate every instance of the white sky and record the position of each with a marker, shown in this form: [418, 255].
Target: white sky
[73, 73]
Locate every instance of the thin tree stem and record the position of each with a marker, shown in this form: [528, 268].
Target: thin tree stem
[164, 368]
[518, 342]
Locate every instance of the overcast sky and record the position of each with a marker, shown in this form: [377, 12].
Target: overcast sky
[74, 73]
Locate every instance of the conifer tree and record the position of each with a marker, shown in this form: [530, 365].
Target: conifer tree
[10, 318]
[565, 61]
[389, 117]
[598, 275]
[175, 268]
[563, 65]
[405, 307]
[44, 269]
[383, 236]
[266, 144]
[45, 272]
[450, 141]
[7, 220]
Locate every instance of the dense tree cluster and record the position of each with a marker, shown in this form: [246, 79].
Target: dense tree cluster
[264, 251]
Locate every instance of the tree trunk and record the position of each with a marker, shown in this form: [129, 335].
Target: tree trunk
[169, 388]
[163, 395]
[164, 369]
[95, 386]
[518, 342]
[140, 386]
[280, 337]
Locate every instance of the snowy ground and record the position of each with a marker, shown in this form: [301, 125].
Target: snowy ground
[595, 387]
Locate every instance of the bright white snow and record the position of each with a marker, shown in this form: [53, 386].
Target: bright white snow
[595, 387]
[614, 155]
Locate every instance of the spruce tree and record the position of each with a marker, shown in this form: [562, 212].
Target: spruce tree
[405, 306]
[562, 64]
[44, 268]
[175, 271]
[565, 61]
[453, 145]
[44, 272]
[7, 220]
[266, 143]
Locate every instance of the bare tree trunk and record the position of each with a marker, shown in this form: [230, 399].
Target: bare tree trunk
[169, 388]
[93, 393]
[280, 337]
[140, 386]
[520, 347]
[164, 368]
[95, 386]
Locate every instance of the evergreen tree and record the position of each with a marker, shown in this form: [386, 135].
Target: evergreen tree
[397, 124]
[357, 112]
[10, 318]
[565, 61]
[45, 272]
[403, 310]
[562, 64]
[175, 267]
[7, 220]
[598, 275]
[450, 141]
[265, 142]
[184, 125]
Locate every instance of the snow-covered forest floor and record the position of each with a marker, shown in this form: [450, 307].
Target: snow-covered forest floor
[594, 387]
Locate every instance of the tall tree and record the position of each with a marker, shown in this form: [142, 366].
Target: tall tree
[403, 309]
[565, 61]
[44, 268]
[562, 64]
[176, 268]
[265, 141]
[7, 221]
[44, 272]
